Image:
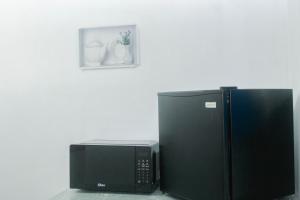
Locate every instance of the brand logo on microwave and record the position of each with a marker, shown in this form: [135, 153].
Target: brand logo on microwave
[101, 185]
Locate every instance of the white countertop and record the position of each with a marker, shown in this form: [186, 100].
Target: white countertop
[83, 195]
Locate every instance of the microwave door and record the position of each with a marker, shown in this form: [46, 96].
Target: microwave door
[110, 168]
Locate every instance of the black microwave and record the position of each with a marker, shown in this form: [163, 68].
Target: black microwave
[115, 166]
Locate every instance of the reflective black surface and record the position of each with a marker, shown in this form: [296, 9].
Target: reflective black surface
[192, 146]
[109, 168]
[103, 168]
[262, 144]
[242, 149]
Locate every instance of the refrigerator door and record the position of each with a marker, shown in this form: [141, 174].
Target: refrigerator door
[262, 144]
[192, 146]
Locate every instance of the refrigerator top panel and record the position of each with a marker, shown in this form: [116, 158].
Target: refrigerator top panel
[189, 93]
[120, 142]
[262, 146]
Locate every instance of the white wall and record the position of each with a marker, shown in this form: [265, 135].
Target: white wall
[47, 102]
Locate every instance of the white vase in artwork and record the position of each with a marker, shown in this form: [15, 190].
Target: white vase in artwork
[117, 54]
[114, 54]
[120, 54]
[128, 57]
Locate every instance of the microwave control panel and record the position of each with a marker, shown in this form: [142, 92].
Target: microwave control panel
[143, 166]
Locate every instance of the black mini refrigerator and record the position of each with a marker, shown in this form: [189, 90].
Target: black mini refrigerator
[227, 144]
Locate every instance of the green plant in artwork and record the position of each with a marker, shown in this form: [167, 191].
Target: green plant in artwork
[125, 38]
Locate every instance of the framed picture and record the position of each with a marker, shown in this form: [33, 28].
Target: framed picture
[108, 47]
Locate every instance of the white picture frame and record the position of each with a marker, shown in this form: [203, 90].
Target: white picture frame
[108, 47]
